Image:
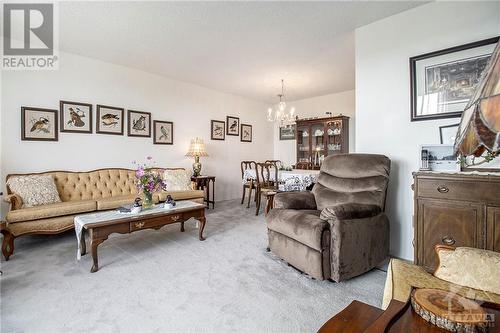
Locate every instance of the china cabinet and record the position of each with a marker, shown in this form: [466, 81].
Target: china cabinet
[321, 137]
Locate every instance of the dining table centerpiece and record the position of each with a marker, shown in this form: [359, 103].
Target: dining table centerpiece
[148, 181]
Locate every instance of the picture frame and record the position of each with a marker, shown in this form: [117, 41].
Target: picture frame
[76, 117]
[246, 133]
[287, 132]
[138, 124]
[232, 126]
[442, 82]
[163, 132]
[217, 130]
[38, 124]
[448, 133]
[110, 120]
[438, 158]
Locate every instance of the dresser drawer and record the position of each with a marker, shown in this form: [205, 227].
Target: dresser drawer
[156, 222]
[466, 190]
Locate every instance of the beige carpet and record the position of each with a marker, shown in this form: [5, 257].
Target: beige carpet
[167, 281]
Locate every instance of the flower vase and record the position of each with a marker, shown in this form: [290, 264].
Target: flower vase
[147, 202]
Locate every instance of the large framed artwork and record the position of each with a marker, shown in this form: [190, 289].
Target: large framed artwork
[232, 126]
[75, 117]
[246, 133]
[163, 132]
[442, 82]
[38, 124]
[217, 130]
[110, 120]
[287, 132]
[139, 124]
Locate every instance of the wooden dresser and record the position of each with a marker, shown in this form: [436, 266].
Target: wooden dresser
[456, 209]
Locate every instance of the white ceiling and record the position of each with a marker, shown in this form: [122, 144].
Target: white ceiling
[242, 48]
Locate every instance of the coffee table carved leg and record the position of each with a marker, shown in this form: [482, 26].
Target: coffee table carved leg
[202, 226]
[83, 246]
[182, 226]
[93, 244]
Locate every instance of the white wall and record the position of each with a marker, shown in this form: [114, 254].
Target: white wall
[343, 102]
[382, 92]
[83, 79]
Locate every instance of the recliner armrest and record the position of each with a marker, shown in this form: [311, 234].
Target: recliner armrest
[14, 200]
[295, 200]
[350, 211]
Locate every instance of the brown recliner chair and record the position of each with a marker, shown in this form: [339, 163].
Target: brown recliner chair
[338, 230]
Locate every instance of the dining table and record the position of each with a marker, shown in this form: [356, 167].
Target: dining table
[288, 180]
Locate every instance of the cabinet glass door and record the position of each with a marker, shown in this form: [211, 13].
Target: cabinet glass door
[334, 137]
[318, 143]
[303, 137]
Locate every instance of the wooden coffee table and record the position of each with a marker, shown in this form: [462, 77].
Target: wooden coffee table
[399, 317]
[98, 226]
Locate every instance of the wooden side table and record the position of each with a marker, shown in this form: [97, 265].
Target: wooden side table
[203, 183]
[399, 317]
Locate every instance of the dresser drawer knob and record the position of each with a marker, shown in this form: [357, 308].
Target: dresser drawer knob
[176, 218]
[443, 189]
[447, 240]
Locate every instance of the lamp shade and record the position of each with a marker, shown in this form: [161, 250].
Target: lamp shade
[197, 148]
[480, 124]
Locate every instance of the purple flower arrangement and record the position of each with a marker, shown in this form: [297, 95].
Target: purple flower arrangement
[149, 179]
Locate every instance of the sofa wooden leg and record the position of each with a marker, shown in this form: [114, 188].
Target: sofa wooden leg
[7, 244]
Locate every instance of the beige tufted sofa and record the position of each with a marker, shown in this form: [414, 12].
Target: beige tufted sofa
[80, 192]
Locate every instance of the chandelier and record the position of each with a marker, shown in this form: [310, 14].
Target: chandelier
[280, 113]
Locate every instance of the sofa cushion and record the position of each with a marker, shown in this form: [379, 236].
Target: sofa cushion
[51, 210]
[304, 226]
[34, 190]
[177, 180]
[115, 202]
[470, 267]
[49, 226]
[181, 195]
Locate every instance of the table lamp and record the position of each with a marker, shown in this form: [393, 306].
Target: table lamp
[197, 149]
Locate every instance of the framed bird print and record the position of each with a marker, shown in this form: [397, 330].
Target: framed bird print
[75, 117]
[217, 130]
[109, 120]
[163, 132]
[139, 124]
[38, 124]
[246, 133]
[232, 126]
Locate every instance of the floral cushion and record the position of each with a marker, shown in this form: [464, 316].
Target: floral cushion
[474, 268]
[34, 190]
[177, 180]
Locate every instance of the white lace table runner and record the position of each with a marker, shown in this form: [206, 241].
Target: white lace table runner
[110, 215]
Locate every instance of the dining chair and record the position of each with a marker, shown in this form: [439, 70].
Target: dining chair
[266, 185]
[278, 163]
[304, 165]
[250, 184]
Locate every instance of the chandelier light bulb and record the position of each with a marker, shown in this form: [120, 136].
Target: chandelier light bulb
[282, 106]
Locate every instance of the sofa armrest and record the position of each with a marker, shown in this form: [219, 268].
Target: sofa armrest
[14, 200]
[295, 200]
[350, 211]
